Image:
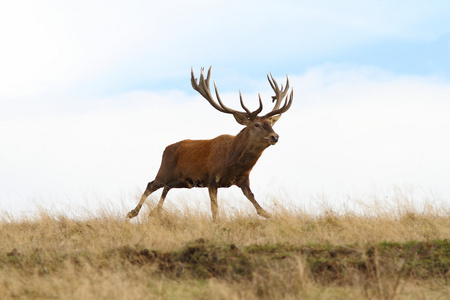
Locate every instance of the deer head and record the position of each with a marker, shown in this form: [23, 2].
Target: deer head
[259, 128]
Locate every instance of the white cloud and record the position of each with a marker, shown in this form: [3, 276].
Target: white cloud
[359, 131]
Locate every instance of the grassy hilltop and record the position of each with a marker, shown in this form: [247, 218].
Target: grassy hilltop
[401, 254]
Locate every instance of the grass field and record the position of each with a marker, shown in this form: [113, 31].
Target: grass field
[379, 253]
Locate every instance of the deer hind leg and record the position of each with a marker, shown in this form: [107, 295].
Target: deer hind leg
[158, 207]
[214, 206]
[245, 187]
[151, 187]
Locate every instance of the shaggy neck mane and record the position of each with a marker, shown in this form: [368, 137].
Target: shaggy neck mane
[242, 152]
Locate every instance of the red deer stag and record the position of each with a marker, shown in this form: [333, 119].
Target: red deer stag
[225, 160]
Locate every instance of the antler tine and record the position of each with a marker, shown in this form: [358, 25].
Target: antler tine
[252, 115]
[260, 108]
[279, 93]
[232, 111]
[284, 108]
[242, 104]
[272, 82]
[208, 75]
[203, 89]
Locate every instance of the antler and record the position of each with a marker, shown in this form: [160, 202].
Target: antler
[279, 95]
[203, 89]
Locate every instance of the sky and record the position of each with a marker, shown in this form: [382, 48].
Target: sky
[91, 92]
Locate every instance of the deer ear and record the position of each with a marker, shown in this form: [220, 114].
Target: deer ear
[241, 119]
[273, 120]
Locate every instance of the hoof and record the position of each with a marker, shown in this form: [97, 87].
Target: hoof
[264, 214]
[154, 213]
[132, 214]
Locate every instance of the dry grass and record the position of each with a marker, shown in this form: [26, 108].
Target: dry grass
[379, 253]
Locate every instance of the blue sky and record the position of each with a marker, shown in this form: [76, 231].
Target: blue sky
[105, 47]
[83, 83]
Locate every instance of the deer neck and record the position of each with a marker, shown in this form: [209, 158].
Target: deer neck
[243, 152]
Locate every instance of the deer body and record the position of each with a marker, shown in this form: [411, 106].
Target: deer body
[200, 163]
[220, 162]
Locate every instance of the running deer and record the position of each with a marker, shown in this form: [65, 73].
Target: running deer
[225, 160]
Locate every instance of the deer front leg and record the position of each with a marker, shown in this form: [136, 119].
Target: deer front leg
[158, 208]
[214, 206]
[245, 187]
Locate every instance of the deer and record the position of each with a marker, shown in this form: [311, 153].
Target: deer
[223, 161]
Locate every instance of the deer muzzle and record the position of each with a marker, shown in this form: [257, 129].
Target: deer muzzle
[273, 138]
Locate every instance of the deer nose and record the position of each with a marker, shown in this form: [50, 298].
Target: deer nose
[274, 138]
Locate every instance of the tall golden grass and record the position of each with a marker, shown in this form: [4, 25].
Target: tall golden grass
[378, 253]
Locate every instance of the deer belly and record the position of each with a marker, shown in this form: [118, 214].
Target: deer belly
[191, 183]
[224, 182]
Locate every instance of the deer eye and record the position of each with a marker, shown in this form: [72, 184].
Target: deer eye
[257, 124]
